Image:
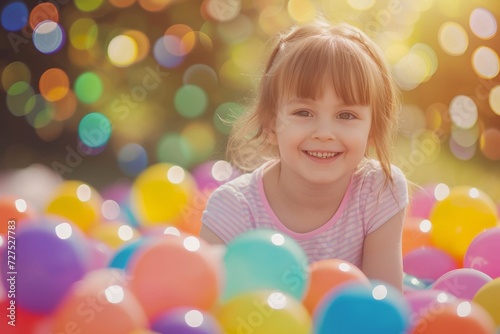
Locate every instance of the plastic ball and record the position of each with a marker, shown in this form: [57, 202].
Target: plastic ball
[50, 257]
[324, 275]
[13, 211]
[160, 193]
[427, 301]
[17, 320]
[263, 312]
[459, 218]
[412, 283]
[100, 303]
[361, 309]
[265, 259]
[174, 271]
[114, 233]
[211, 174]
[488, 296]
[483, 253]
[416, 233]
[422, 202]
[428, 263]
[78, 202]
[462, 283]
[183, 320]
[100, 254]
[122, 256]
[455, 316]
[190, 219]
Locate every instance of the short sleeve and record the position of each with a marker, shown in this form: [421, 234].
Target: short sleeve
[224, 213]
[385, 200]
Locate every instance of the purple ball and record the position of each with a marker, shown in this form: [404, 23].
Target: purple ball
[211, 174]
[183, 320]
[42, 264]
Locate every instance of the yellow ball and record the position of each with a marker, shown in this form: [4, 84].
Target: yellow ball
[114, 234]
[488, 296]
[78, 202]
[264, 312]
[459, 218]
[161, 193]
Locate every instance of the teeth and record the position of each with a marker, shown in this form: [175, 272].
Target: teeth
[323, 155]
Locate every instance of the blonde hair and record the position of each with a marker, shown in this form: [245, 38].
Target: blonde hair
[303, 61]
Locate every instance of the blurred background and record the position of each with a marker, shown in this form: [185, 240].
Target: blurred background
[97, 90]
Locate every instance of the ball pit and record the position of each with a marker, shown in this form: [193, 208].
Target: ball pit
[80, 275]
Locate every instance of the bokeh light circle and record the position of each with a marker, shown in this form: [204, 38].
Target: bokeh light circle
[489, 144]
[88, 5]
[42, 112]
[48, 37]
[201, 138]
[14, 72]
[14, 16]
[463, 111]
[166, 51]
[453, 38]
[42, 12]
[483, 23]
[18, 98]
[485, 62]
[132, 159]
[225, 114]
[94, 130]
[83, 33]
[494, 99]
[222, 11]
[88, 87]
[200, 75]
[142, 42]
[175, 149]
[122, 51]
[190, 101]
[54, 84]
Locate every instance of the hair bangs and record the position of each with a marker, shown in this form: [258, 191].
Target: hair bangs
[326, 61]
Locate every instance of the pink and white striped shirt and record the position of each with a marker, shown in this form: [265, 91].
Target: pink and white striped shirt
[241, 205]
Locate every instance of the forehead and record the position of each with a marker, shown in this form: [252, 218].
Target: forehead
[320, 63]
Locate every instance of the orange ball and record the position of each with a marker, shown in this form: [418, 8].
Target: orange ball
[15, 209]
[416, 233]
[324, 275]
[458, 316]
[100, 303]
[190, 218]
[173, 271]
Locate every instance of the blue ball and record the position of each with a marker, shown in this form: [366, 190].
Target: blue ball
[354, 308]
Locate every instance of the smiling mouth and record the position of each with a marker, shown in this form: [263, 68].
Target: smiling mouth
[322, 155]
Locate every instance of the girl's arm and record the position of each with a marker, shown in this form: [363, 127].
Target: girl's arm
[382, 254]
[210, 237]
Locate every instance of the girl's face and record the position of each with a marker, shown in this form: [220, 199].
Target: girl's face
[321, 141]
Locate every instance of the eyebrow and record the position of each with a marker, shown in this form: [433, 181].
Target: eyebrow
[305, 100]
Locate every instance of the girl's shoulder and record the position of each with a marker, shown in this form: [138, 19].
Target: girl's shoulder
[371, 175]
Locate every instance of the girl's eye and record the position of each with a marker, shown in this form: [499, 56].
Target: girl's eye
[346, 115]
[303, 113]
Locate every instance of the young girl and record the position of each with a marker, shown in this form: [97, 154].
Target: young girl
[326, 99]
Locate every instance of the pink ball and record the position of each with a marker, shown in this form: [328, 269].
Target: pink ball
[462, 283]
[422, 202]
[428, 263]
[483, 252]
[421, 301]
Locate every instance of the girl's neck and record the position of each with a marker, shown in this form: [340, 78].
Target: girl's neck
[294, 192]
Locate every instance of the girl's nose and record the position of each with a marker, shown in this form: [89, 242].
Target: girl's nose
[324, 131]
